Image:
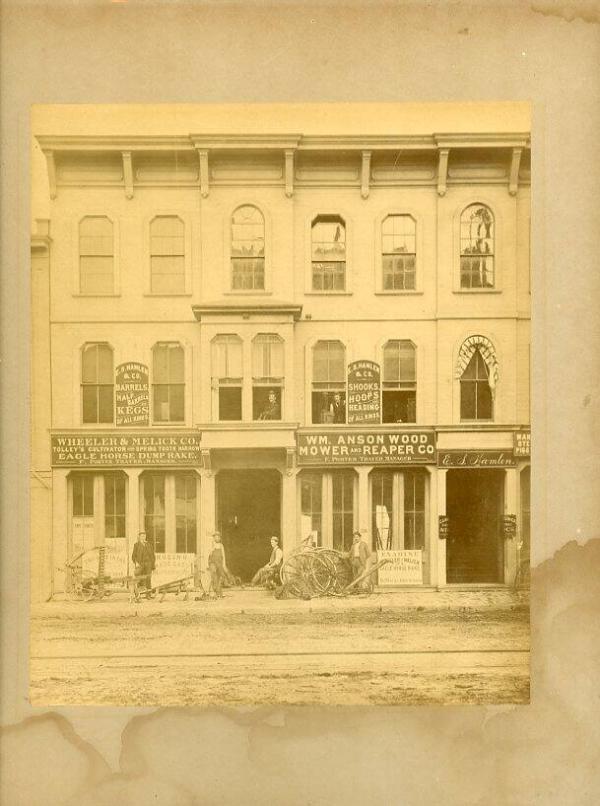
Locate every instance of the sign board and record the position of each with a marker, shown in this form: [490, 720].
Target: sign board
[443, 527]
[364, 392]
[364, 447]
[132, 396]
[509, 526]
[478, 459]
[170, 567]
[522, 443]
[115, 557]
[119, 449]
[405, 567]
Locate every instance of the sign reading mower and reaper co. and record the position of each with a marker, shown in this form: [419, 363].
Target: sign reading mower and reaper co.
[125, 449]
[365, 447]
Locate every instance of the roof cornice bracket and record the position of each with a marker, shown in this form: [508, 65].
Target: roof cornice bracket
[442, 176]
[365, 174]
[289, 172]
[204, 180]
[515, 163]
[49, 154]
[127, 174]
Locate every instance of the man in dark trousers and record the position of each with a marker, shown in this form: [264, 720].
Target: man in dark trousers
[217, 565]
[144, 561]
[359, 559]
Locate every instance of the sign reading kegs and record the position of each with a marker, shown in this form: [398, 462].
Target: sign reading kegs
[132, 396]
[364, 392]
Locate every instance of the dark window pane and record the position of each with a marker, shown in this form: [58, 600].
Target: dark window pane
[177, 403]
[77, 497]
[230, 403]
[105, 404]
[90, 404]
[88, 496]
[484, 401]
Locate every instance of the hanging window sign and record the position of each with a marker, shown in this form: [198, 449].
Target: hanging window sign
[365, 447]
[522, 443]
[403, 567]
[132, 397]
[364, 392]
[116, 449]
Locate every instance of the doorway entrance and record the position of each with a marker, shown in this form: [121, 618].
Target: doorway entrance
[474, 506]
[248, 514]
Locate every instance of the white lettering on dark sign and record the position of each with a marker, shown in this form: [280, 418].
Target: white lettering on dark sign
[364, 392]
[132, 396]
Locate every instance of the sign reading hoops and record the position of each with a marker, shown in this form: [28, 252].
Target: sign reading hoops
[364, 392]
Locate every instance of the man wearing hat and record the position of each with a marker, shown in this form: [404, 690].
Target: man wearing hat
[217, 565]
[144, 562]
[359, 555]
[270, 572]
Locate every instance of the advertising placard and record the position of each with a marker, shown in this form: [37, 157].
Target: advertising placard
[364, 447]
[364, 392]
[111, 448]
[404, 567]
[115, 557]
[522, 443]
[170, 567]
[132, 396]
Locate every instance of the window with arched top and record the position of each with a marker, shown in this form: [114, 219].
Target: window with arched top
[329, 382]
[168, 382]
[477, 247]
[247, 249]
[328, 253]
[97, 383]
[267, 376]
[476, 399]
[399, 385]
[96, 256]
[167, 255]
[399, 252]
[227, 376]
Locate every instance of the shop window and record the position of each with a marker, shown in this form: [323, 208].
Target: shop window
[83, 495]
[329, 382]
[328, 251]
[399, 390]
[185, 512]
[97, 383]
[267, 377]
[114, 506]
[96, 256]
[398, 509]
[167, 255]
[247, 249]
[477, 247]
[343, 510]
[475, 392]
[414, 510]
[382, 510]
[154, 510]
[311, 503]
[168, 382]
[398, 245]
[227, 376]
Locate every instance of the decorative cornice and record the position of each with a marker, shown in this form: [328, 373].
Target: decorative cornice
[483, 140]
[245, 141]
[246, 308]
[84, 142]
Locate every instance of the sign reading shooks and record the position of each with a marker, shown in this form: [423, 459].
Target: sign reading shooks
[363, 447]
[132, 397]
[118, 449]
[364, 392]
[403, 567]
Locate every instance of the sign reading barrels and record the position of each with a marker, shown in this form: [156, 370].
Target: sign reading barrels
[119, 449]
[365, 447]
[364, 395]
[132, 397]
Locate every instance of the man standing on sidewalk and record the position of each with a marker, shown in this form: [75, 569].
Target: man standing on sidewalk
[359, 558]
[144, 561]
[217, 565]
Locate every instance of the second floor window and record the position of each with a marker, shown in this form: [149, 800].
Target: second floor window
[247, 249]
[267, 377]
[97, 384]
[227, 376]
[399, 392]
[477, 247]
[476, 401]
[329, 382]
[96, 256]
[167, 255]
[398, 245]
[328, 253]
[168, 382]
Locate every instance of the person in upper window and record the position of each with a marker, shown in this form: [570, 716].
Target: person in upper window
[338, 409]
[272, 410]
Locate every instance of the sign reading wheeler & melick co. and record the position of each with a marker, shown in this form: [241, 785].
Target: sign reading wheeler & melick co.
[119, 449]
[365, 447]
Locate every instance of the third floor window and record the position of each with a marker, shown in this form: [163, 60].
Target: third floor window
[96, 256]
[477, 247]
[398, 246]
[328, 253]
[247, 249]
[167, 255]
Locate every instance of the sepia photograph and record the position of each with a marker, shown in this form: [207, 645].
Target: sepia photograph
[280, 404]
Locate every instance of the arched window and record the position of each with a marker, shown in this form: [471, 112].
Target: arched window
[329, 382]
[167, 255]
[477, 247]
[96, 256]
[399, 392]
[328, 249]
[267, 376]
[97, 383]
[247, 249]
[227, 376]
[168, 382]
[398, 246]
[476, 401]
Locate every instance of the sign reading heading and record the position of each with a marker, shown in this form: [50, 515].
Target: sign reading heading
[522, 443]
[132, 397]
[364, 392]
[363, 447]
[118, 449]
[403, 567]
[476, 459]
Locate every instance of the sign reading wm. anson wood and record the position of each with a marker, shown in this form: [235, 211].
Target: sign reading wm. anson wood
[364, 392]
[363, 447]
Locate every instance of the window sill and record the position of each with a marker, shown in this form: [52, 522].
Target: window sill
[175, 294]
[163, 424]
[94, 296]
[248, 293]
[477, 291]
[476, 422]
[407, 293]
[328, 293]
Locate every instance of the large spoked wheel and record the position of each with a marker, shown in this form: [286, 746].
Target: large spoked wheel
[341, 572]
[83, 586]
[322, 572]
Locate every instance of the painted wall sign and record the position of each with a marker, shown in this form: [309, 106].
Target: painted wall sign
[404, 567]
[364, 392]
[470, 458]
[509, 526]
[364, 447]
[443, 527]
[132, 396]
[119, 449]
[171, 566]
[522, 443]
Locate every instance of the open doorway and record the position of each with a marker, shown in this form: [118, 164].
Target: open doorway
[248, 514]
[474, 506]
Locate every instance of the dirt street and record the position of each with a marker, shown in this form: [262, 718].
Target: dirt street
[391, 648]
